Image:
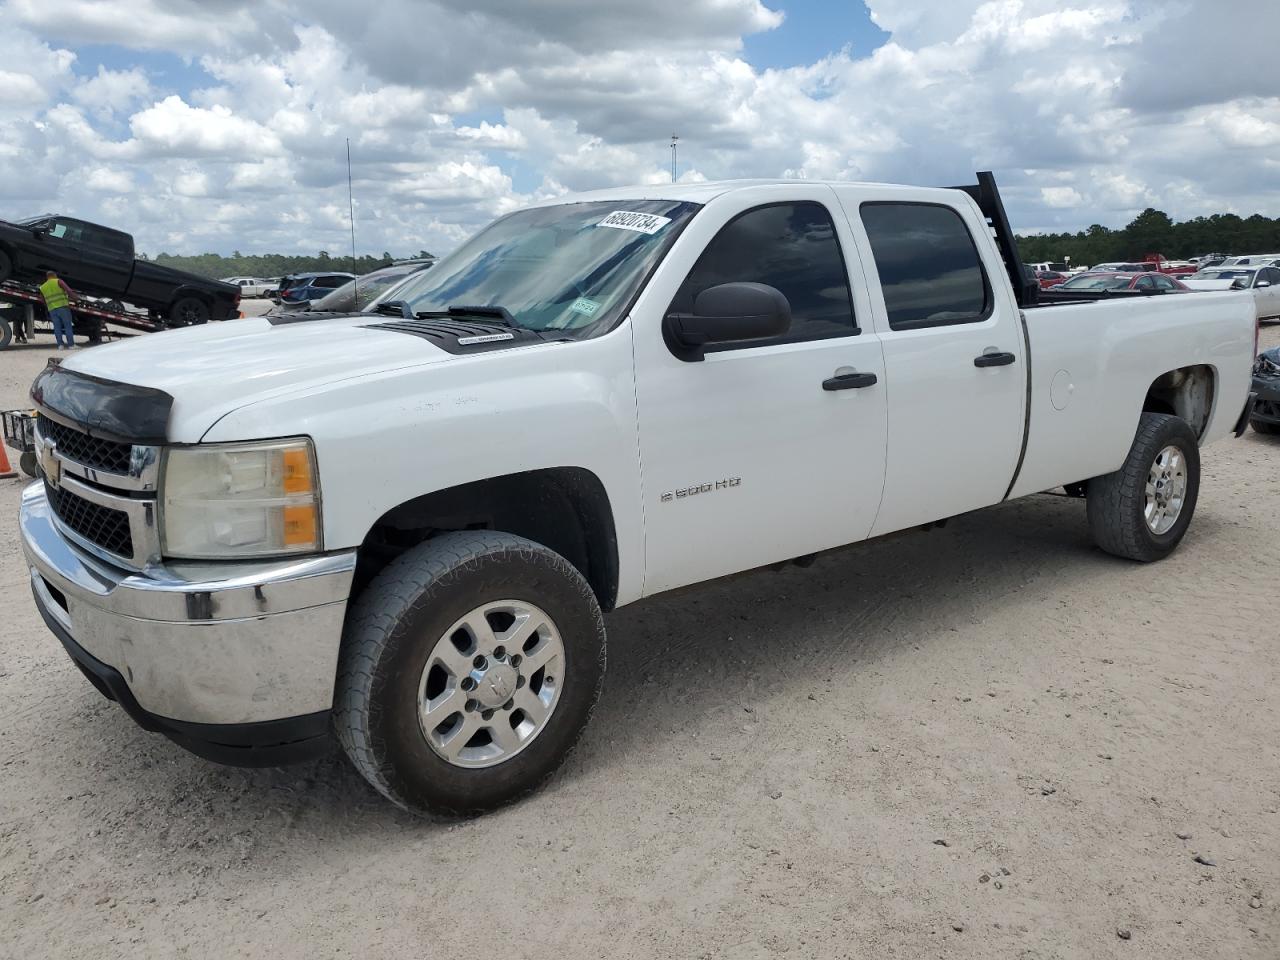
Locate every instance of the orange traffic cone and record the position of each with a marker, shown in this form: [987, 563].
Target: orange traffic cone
[6, 471]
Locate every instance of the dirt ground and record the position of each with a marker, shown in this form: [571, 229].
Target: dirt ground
[990, 740]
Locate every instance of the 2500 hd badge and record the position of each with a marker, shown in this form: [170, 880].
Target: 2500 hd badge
[698, 488]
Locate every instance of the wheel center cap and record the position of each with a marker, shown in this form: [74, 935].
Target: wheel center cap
[495, 685]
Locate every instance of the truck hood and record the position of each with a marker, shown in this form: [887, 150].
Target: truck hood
[213, 369]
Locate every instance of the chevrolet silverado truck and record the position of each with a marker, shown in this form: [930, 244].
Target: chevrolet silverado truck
[99, 261]
[400, 528]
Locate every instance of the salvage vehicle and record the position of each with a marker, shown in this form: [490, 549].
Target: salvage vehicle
[1143, 282]
[99, 261]
[357, 293]
[254, 540]
[305, 287]
[1262, 282]
[250, 286]
[1266, 384]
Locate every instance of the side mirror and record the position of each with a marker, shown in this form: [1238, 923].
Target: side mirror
[726, 313]
[1263, 283]
[42, 230]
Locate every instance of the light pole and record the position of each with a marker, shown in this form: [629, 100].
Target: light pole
[674, 140]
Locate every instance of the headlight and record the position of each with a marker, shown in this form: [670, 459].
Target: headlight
[243, 500]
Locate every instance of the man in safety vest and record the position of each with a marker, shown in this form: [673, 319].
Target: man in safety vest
[57, 300]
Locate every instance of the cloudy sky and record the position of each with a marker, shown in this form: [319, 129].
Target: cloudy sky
[221, 124]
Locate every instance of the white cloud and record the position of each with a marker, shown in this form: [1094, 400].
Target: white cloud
[112, 90]
[457, 110]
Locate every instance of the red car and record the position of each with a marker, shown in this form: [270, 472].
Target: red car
[1155, 282]
[1050, 278]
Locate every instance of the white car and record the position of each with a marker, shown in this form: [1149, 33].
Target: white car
[1262, 282]
[249, 286]
[401, 528]
[1252, 260]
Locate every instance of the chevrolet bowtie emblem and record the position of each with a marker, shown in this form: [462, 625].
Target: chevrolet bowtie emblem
[50, 465]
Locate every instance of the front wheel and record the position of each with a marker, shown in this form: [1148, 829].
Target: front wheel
[470, 666]
[1142, 511]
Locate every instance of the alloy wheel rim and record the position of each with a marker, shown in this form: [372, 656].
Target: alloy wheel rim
[491, 684]
[1166, 490]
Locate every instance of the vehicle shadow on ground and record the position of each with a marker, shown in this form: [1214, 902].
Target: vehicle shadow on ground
[851, 608]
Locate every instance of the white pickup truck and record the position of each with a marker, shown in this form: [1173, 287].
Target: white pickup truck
[401, 527]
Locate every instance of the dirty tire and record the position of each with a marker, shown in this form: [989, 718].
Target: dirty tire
[391, 631]
[6, 333]
[1262, 426]
[188, 311]
[1117, 500]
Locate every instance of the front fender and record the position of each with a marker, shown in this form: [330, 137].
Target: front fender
[387, 438]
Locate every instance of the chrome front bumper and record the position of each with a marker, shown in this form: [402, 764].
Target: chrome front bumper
[238, 645]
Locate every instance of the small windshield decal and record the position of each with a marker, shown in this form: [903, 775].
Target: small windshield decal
[585, 307]
[639, 222]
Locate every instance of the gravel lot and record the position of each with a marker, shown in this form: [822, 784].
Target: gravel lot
[989, 740]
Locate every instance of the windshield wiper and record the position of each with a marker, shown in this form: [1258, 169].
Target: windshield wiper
[395, 308]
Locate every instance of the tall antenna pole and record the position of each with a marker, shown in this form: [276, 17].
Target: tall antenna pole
[674, 141]
[351, 212]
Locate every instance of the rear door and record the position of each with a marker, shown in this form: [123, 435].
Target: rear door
[106, 260]
[953, 351]
[1267, 297]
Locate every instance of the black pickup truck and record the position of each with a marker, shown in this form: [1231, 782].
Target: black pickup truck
[99, 261]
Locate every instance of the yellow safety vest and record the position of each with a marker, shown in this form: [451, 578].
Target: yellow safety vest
[54, 295]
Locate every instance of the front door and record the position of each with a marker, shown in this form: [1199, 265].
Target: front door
[761, 452]
[954, 354]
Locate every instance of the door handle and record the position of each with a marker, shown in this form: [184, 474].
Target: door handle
[994, 360]
[849, 381]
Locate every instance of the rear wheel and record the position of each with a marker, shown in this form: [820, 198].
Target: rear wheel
[188, 311]
[1262, 426]
[1142, 511]
[469, 669]
[6, 333]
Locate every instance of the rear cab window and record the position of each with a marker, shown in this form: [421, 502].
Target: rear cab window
[930, 271]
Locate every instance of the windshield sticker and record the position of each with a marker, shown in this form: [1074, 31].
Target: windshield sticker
[585, 307]
[639, 222]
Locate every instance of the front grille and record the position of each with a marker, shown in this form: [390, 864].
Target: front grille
[76, 445]
[101, 526]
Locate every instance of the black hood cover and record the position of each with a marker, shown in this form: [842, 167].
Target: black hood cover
[465, 336]
[106, 409]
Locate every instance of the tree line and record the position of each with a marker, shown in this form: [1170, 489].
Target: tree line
[265, 265]
[1153, 231]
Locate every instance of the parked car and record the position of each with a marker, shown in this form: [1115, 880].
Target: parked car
[1050, 278]
[356, 294]
[1123, 267]
[1263, 282]
[593, 400]
[305, 287]
[99, 261]
[1149, 282]
[1266, 384]
[1252, 260]
[249, 286]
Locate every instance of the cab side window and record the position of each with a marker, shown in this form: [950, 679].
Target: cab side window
[1145, 283]
[929, 267]
[789, 246]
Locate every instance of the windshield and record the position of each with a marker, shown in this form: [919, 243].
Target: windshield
[1226, 275]
[1087, 282]
[562, 267]
[360, 292]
